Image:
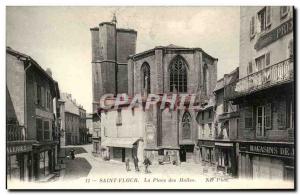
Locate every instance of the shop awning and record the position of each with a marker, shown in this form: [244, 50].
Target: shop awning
[119, 142]
[224, 144]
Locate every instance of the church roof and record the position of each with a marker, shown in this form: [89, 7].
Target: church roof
[168, 47]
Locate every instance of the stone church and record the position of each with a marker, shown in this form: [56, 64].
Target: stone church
[154, 133]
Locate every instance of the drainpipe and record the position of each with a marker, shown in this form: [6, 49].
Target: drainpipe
[25, 98]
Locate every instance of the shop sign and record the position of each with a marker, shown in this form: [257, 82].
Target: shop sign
[274, 35]
[18, 149]
[268, 149]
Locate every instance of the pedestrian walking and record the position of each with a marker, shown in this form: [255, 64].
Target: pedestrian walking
[147, 163]
[127, 164]
[72, 154]
[136, 163]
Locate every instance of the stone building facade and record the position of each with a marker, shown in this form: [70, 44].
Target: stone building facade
[172, 70]
[31, 124]
[110, 48]
[265, 93]
[73, 120]
[226, 127]
[206, 133]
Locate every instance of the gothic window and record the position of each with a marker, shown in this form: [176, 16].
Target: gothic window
[178, 75]
[145, 73]
[186, 126]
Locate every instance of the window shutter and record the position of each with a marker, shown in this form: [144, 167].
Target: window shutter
[35, 92]
[252, 27]
[268, 16]
[268, 59]
[250, 68]
[42, 96]
[282, 115]
[268, 116]
[248, 117]
[291, 49]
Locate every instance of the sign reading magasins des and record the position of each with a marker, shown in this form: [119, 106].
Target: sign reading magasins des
[274, 34]
[284, 150]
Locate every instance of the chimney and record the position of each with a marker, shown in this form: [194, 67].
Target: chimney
[49, 72]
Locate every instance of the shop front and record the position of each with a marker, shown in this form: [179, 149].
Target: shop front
[44, 160]
[226, 157]
[266, 160]
[19, 160]
[207, 151]
[120, 149]
[186, 153]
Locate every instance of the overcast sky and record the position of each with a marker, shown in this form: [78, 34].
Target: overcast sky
[59, 37]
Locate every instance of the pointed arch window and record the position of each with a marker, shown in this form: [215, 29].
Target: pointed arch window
[145, 73]
[186, 126]
[178, 75]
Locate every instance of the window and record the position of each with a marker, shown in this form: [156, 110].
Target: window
[249, 68]
[252, 27]
[39, 95]
[260, 62]
[290, 114]
[248, 117]
[264, 18]
[283, 11]
[291, 49]
[202, 127]
[119, 118]
[205, 78]
[225, 106]
[186, 126]
[210, 113]
[39, 129]
[145, 75]
[210, 129]
[43, 96]
[178, 75]
[46, 130]
[48, 99]
[263, 114]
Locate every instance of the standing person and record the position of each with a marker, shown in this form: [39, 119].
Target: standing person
[136, 163]
[147, 163]
[127, 164]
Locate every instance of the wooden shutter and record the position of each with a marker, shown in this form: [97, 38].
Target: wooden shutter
[268, 116]
[268, 59]
[35, 92]
[291, 49]
[248, 117]
[268, 16]
[252, 27]
[281, 111]
[250, 70]
[42, 96]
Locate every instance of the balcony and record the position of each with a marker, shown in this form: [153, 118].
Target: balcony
[15, 132]
[270, 76]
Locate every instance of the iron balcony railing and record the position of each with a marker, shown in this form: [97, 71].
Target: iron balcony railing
[275, 74]
[15, 132]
